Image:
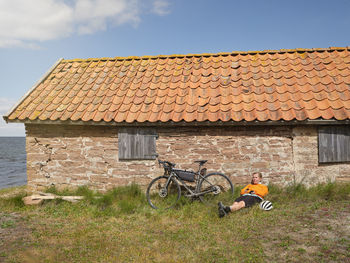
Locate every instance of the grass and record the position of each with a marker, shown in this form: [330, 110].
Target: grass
[119, 226]
[6, 224]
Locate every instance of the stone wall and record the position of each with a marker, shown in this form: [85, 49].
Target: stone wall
[307, 168]
[67, 156]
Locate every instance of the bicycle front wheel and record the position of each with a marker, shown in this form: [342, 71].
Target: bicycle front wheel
[161, 195]
[215, 187]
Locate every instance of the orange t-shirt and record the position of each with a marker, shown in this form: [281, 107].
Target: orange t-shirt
[259, 189]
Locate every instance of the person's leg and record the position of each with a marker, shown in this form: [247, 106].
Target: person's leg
[237, 205]
[224, 210]
[244, 201]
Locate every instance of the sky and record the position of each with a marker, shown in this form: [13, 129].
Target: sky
[34, 34]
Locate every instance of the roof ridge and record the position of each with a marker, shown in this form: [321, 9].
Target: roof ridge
[210, 54]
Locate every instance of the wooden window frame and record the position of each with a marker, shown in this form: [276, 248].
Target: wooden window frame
[334, 144]
[137, 144]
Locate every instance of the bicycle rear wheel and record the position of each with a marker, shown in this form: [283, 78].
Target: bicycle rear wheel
[160, 196]
[216, 187]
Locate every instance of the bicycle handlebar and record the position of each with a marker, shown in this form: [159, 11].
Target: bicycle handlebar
[166, 164]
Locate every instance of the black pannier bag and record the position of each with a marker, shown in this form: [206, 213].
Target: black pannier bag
[185, 175]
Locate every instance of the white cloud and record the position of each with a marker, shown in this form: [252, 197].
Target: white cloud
[94, 15]
[10, 129]
[25, 23]
[161, 7]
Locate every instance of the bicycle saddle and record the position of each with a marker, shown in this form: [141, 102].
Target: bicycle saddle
[201, 162]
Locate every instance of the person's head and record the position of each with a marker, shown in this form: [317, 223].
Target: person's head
[256, 178]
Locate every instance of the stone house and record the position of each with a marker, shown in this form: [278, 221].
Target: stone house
[102, 122]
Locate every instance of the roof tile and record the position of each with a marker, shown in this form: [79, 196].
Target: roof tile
[259, 85]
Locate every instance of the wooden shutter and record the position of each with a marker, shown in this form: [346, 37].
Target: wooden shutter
[137, 144]
[334, 144]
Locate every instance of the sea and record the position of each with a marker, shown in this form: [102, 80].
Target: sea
[12, 162]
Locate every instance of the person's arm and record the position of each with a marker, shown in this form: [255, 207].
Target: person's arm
[245, 189]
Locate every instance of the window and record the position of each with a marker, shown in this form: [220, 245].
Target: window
[137, 144]
[334, 144]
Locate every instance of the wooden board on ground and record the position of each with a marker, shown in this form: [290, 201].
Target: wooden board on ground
[39, 197]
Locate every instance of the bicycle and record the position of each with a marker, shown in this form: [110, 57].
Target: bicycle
[164, 191]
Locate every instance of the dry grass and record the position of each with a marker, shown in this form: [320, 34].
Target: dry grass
[305, 225]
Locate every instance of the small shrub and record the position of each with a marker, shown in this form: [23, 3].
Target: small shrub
[52, 190]
[86, 192]
[130, 191]
[127, 206]
[332, 191]
[296, 190]
[105, 201]
[17, 200]
[123, 199]
[14, 201]
[275, 189]
[326, 191]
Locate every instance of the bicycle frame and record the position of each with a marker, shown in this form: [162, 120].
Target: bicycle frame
[200, 184]
[198, 177]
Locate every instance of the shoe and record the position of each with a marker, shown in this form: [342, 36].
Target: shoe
[222, 211]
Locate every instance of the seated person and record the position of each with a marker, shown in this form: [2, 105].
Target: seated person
[252, 194]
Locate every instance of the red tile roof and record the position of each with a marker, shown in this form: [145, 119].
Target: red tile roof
[298, 84]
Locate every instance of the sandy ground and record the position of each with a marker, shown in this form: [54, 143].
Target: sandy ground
[322, 235]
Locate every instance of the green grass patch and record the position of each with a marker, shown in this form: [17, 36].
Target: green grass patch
[7, 224]
[120, 226]
[13, 202]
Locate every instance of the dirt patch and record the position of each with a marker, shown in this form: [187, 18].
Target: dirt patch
[14, 233]
[322, 234]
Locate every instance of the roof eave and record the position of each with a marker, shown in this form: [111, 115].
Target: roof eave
[183, 123]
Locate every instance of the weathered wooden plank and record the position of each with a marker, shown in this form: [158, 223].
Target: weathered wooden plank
[37, 199]
[136, 143]
[334, 144]
[149, 146]
[346, 148]
[122, 144]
